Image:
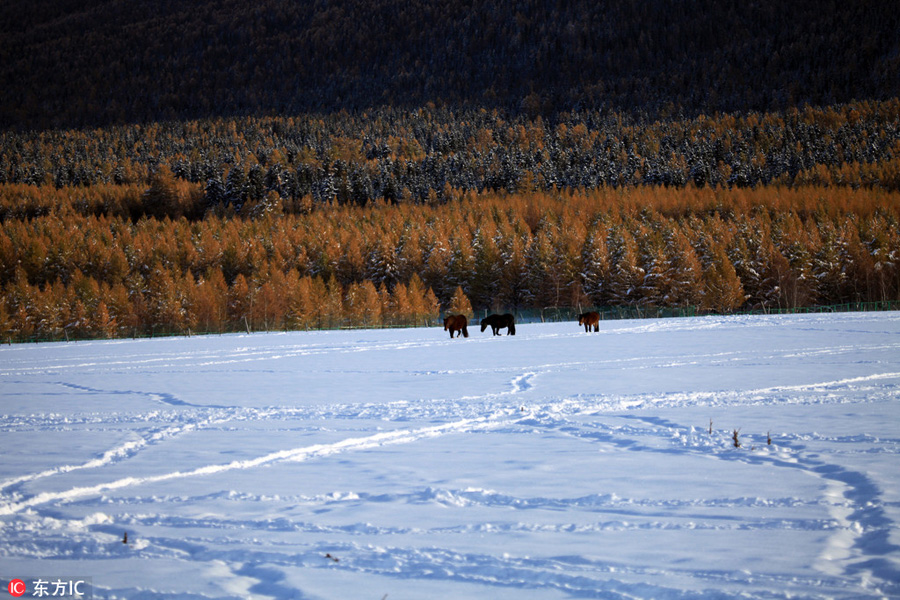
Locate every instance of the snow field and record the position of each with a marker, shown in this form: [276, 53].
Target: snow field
[552, 464]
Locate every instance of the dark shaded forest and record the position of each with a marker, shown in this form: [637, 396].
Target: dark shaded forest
[67, 64]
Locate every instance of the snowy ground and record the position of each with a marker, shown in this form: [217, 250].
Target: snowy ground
[401, 464]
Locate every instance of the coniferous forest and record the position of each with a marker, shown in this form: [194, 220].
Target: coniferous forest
[303, 165]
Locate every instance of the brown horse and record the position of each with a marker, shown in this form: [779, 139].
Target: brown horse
[498, 322]
[589, 319]
[456, 323]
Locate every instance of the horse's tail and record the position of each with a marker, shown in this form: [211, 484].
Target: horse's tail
[465, 331]
[512, 327]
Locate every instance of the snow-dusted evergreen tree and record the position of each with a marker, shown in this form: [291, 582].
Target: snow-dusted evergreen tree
[626, 272]
[235, 187]
[437, 263]
[102, 323]
[829, 265]
[794, 243]
[654, 261]
[859, 265]
[305, 305]
[722, 290]
[363, 305]
[486, 269]
[207, 300]
[409, 254]
[167, 302]
[381, 263]
[333, 305]
[540, 291]
[513, 291]
[5, 322]
[350, 262]
[595, 266]
[459, 304]
[654, 289]
[460, 265]
[884, 246]
[239, 301]
[760, 266]
[399, 308]
[215, 192]
[685, 280]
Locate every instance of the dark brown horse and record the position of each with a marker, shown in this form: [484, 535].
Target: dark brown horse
[589, 319]
[456, 323]
[498, 322]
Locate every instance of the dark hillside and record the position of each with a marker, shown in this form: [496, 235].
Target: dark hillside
[95, 63]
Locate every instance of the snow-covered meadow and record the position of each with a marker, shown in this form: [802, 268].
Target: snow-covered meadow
[401, 464]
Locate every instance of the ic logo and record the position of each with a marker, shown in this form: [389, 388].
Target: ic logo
[16, 587]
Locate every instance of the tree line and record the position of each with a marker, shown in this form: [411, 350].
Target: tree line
[253, 166]
[71, 274]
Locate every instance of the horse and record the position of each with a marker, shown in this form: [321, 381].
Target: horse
[588, 319]
[498, 322]
[456, 323]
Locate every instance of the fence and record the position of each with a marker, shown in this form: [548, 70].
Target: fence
[543, 315]
[609, 313]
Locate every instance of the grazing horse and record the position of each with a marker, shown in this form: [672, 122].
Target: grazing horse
[456, 323]
[498, 322]
[588, 319]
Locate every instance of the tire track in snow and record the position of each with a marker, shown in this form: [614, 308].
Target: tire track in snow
[292, 455]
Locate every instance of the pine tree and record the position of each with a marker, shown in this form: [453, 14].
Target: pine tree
[595, 268]
[235, 188]
[513, 290]
[460, 265]
[685, 282]
[540, 277]
[400, 310]
[459, 304]
[722, 292]
[655, 288]
[486, 271]
[102, 323]
[381, 265]
[363, 305]
[239, 302]
[333, 306]
[437, 266]
[432, 307]
[627, 274]
[5, 321]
